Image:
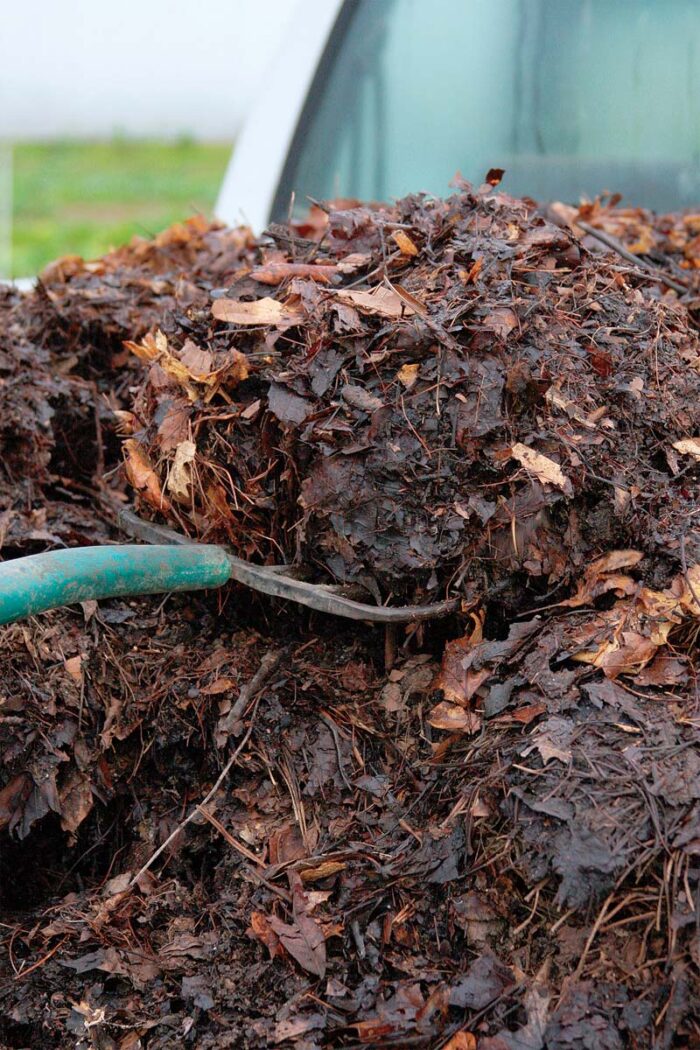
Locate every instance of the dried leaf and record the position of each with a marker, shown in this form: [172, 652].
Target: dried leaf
[175, 425]
[260, 312]
[600, 577]
[626, 656]
[262, 931]
[276, 272]
[293, 1027]
[142, 475]
[502, 321]
[221, 685]
[690, 598]
[12, 797]
[286, 844]
[461, 1041]
[198, 362]
[553, 740]
[405, 243]
[382, 301]
[324, 870]
[191, 368]
[180, 473]
[408, 374]
[454, 718]
[304, 938]
[75, 796]
[74, 667]
[150, 348]
[455, 678]
[544, 469]
[527, 714]
[360, 398]
[688, 447]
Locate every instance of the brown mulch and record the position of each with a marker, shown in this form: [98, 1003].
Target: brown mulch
[479, 834]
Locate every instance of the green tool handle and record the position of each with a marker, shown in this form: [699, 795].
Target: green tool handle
[47, 581]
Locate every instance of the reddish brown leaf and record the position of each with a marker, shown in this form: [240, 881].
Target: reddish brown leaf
[142, 476]
[276, 272]
[261, 929]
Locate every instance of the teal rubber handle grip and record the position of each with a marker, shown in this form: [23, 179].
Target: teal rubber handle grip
[46, 581]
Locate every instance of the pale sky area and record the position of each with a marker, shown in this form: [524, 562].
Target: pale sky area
[141, 67]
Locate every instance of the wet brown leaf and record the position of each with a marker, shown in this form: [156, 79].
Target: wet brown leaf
[261, 930]
[303, 938]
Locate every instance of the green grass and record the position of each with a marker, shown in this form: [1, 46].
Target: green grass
[84, 198]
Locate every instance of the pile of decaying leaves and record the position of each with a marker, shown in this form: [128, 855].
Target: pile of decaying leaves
[434, 395]
[481, 835]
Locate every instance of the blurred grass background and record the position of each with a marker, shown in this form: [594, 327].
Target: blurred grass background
[84, 198]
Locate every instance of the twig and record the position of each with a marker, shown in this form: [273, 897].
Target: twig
[334, 732]
[615, 245]
[21, 974]
[100, 460]
[269, 662]
[231, 839]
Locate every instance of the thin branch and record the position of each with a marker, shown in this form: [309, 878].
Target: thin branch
[616, 246]
[267, 666]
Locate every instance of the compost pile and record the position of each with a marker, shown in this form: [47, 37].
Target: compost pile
[481, 833]
[446, 392]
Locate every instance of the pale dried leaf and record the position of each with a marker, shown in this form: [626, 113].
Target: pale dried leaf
[74, 667]
[454, 718]
[150, 348]
[461, 1041]
[180, 474]
[405, 243]
[544, 469]
[197, 361]
[408, 374]
[385, 302]
[688, 447]
[260, 312]
[501, 321]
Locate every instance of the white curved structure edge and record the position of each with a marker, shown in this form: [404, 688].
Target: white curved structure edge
[254, 171]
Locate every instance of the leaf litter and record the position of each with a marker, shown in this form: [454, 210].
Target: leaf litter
[482, 833]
